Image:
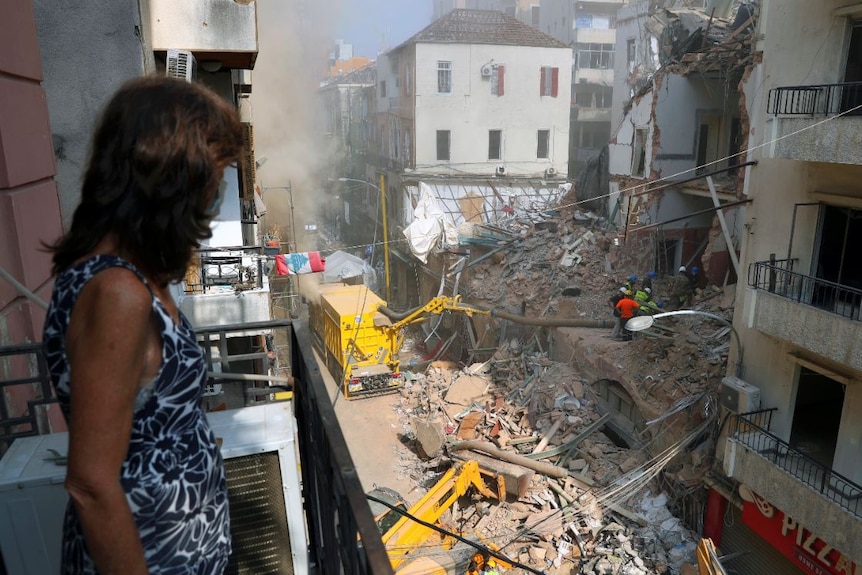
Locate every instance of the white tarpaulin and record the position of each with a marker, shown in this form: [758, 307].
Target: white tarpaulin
[341, 265]
[430, 224]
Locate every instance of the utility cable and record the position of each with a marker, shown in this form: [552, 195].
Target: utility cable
[438, 529]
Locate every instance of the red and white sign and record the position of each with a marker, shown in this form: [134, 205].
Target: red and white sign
[812, 554]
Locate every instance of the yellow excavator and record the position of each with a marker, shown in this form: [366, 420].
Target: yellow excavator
[417, 539]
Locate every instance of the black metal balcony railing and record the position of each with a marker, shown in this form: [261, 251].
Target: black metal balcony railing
[778, 277]
[816, 100]
[337, 514]
[753, 430]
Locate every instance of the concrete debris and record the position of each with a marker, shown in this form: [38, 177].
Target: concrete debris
[544, 424]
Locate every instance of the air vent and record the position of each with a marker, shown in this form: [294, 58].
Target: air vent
[261, 543]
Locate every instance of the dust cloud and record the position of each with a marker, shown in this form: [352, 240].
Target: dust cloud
[295, 38]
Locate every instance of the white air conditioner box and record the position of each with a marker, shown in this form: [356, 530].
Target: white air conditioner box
[181, 64]
[739, 396]
[261, 463]
[486, 71]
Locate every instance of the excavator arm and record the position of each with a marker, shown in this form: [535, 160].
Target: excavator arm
[435, 306]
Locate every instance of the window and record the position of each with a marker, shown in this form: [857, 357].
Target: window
[631, 53]
[639, 153]
[596, 21]
[382, 88]
[534, 16]
[594, 97]
[408, 80]
[495, 142]
[596, 56]
[549, 81]
[443, 141]
[498, 80]
[444, 77]
[544, 144]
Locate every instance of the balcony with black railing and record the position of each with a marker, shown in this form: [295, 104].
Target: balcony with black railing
[337, 523]
[815, 495]
[812, 109]
[807, 311]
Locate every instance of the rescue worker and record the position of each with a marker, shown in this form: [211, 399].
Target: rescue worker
[626, 308]
[613, 300]
[647, 283]
[683, 287]
[645, 301]
[632, 281]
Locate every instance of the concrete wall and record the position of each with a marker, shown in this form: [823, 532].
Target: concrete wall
[86, 54]
[837, 141]
[204, 25]
[629, 26]
[620, 152]
[471, 110]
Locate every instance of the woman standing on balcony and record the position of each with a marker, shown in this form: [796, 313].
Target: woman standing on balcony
[145, 475]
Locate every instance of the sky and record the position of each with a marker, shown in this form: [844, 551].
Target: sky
[372, 25]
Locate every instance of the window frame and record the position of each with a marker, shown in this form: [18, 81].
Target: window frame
[444, 71]
[498, 80]
[448, 142]
[547, 144]
[549, 81]
[499, 144]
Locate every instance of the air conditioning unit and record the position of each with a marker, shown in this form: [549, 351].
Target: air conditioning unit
[181, 64]
[550, 172]
[258, 446]
[486, 70]
[501, 170]
[739, 396]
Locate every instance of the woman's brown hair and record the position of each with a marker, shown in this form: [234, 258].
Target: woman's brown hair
[155, 164]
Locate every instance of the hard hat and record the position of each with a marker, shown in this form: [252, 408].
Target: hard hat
[694, 270]
[624, 290]
[651, 274]
[647, 290]
[682, 268]
[660, 303]
[633, 278]
[628, 292]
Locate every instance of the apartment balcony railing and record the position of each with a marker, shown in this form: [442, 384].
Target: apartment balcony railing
[816, 100]
[753, 430]
[337, 514]
[27, 374]
[778, 277]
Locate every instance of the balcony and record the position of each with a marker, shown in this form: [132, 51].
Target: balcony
[227, 286]
[334, 511]
[595, 36]
[220, 31]
[808, 312]
[819, 498]
[799, 107]
[603, 77]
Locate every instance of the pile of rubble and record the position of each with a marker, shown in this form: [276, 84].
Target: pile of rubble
[580, 500]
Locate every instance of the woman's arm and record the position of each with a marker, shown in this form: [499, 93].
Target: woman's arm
[111, 326]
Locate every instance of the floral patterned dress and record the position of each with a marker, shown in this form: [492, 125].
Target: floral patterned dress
[173, 474]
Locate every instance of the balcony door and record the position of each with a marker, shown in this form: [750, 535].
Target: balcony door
[817, 416]
[851, 95]
[837, 262]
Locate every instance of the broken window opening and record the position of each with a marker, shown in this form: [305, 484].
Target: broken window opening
[495, 141]
[817, 416]
[839, 231]
[639, 153]
[543, 146]
[443, 144]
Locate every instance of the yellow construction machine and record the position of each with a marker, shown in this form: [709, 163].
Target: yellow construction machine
[359, 343]
[417, 539]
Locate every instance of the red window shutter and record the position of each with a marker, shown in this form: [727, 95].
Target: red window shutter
[542, 82]
[501, 82]
[555, 81]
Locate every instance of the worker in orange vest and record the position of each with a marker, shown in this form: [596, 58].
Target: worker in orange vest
[626, 309]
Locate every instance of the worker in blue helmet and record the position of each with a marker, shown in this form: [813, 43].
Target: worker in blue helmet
[630, 284]
[647, 283]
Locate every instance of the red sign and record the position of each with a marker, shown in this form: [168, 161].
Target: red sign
[809, 552]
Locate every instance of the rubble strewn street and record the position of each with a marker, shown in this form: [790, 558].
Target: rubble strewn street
[591, 504]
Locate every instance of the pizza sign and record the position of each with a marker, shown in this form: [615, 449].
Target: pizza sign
[812, 554]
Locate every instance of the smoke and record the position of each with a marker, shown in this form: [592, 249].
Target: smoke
[295, 38]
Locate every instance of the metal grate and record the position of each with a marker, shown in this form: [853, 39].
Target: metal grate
[261, 542]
